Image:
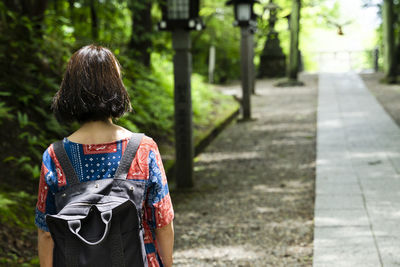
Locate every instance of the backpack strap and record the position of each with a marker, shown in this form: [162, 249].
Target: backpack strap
[129, 155]
[65, 163]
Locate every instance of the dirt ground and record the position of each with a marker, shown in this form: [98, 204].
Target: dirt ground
[253, 202]
[388, 95]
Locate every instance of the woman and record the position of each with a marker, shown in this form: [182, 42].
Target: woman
[93, 94]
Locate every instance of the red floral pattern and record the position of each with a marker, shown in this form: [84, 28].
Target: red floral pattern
[61, 180]
[99, 148]
[43, 188]
[164, 212]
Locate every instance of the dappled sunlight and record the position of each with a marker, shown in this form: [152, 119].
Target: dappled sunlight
[280, 127]
[300, 250]
[329, 161]
[289, 224]
[267, 189]
[282, 166]
[341, 218]
[227, 253]
[292, 198]
[290, 166]
[307, 165]
[289, 187]
[296, 184]
[265, 210]
[291, 142]
[355, 114]
[298, 134]
[330, 124]
[358, 185]
[221, 156]
[373, 154]
[262, 178]
[296, 114]
[278, 91]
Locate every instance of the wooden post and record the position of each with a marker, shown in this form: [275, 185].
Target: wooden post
[294, 40]
[246, 72]
[388, 41]
[184, 148]
[253, 68]
[211, 64]
[376, 59]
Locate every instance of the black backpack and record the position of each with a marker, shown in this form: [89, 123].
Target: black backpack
[98, 223]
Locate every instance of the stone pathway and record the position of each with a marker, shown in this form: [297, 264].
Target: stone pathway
[357, 208]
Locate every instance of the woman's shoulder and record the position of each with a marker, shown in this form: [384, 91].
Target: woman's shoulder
[148, 142]
[147, 146]
[49, 159]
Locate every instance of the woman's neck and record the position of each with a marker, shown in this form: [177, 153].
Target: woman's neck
[96, 126]
[96, 132]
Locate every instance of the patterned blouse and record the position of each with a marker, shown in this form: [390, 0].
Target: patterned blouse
[100, 161]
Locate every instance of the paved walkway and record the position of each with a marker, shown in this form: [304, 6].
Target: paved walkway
[357, 209]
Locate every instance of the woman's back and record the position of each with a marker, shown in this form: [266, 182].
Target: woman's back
[92, 93]
[100, 161]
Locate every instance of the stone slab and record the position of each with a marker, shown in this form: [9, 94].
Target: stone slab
[341, 202]
[344, 246]
[339, 189]
[333, 218]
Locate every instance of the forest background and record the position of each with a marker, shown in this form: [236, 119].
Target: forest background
[37, 37]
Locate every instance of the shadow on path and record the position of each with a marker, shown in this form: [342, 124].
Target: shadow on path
[253, 201]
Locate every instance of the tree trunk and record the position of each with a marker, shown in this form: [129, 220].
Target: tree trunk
[140, 43]
[95, 20]
[34, 10]
[388, 41]
[56, 7]
[294, 59]
[39, 7]
[71, 11]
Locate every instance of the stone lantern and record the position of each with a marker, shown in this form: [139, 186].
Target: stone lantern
[180, 17]
[245, 18]
[272, 59]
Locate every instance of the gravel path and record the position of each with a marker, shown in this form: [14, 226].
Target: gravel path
[253, 202]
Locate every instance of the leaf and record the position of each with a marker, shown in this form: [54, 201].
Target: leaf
[10, 158]
[22, 119]
[5, 93]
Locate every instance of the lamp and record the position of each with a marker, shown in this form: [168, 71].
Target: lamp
[179, 17]
[244, 14]
[180, 14]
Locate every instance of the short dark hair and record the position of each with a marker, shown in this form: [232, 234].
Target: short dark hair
[92, 88]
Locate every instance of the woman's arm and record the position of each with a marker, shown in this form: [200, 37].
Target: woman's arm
[45, 248]
[165, 243]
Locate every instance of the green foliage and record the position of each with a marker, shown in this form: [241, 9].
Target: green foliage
[16, 209]
[33, 58]
[221, 34]
[29, 78]
[5, 111]
[379, 40]
[16, 216]
[151, 96]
